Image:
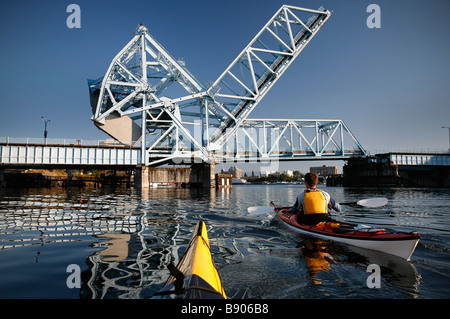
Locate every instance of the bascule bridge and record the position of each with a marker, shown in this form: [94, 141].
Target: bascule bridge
[211, 124]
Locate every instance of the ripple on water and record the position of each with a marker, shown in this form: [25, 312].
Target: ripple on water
[123, 241]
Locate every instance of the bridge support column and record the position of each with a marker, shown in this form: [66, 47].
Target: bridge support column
[2, 179]
[198, 175]
[69, 177]
[142, 177]
[204, 175]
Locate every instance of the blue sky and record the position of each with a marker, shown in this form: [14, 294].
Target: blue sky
[389, 85]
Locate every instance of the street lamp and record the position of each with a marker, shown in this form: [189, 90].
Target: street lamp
[45, 128]
[448, 137]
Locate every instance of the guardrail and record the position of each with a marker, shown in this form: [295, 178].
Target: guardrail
[8, 140]
[410, 151]
[67, 155]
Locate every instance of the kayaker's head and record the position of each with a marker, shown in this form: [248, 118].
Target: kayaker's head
[311, 180]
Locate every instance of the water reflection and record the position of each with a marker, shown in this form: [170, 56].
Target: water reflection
[124, 239]
[53, 223]
[134, 265]
[317, 258]
[396, 272]
[324, 260]
[123, 268]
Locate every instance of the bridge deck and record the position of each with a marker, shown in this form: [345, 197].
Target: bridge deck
[65, 156]
[102, 156]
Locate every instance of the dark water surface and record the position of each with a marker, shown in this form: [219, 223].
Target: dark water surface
[123, 239]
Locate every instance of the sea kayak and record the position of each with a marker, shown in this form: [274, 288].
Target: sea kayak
[394, 243]
[195, 276]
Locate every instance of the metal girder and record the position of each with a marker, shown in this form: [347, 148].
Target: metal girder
[256, 69]
[291, 139]
[143, 68]
[133, 87]
[198, 125]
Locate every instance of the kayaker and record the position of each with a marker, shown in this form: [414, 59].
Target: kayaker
[312, 205]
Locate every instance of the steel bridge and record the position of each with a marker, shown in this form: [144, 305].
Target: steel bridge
[211, 124]
[53, 153]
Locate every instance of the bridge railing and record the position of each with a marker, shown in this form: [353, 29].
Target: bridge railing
[20, 154]
[8, 140]
[410, 151]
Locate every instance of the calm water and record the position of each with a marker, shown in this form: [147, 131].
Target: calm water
[122, 241]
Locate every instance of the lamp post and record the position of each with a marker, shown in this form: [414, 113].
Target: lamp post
[448, 137]
[45, 129]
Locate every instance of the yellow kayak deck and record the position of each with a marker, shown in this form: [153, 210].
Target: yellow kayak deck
[195, 276]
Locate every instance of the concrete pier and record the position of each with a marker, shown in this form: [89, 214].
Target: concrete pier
[398, 169]
[196, 176]
[141, 177]
[20, 178]
[2, 178]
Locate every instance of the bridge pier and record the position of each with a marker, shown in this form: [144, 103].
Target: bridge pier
[196, 176]
[2, 178]
[204, 175]
[141, 177]
[399, 169]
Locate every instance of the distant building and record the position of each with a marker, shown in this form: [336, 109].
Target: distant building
[267, 173]
[324, 170]
[235, 172]
[288, 173]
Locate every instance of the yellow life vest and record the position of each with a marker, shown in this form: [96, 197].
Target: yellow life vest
[314, 202]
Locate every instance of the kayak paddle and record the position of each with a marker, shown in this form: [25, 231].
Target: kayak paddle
[257, 210]
[369, 202]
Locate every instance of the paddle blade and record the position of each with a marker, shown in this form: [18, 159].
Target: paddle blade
[257, 210]
[373, 202]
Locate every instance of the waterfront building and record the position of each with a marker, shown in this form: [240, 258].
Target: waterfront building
[324, 170]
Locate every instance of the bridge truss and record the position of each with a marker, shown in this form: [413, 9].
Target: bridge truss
[290, 139]
[211, 124]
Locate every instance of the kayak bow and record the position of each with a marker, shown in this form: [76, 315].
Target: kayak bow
[195, 276]
[394, 243]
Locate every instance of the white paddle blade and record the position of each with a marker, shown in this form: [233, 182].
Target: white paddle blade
[373, 202]
[257, 210]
